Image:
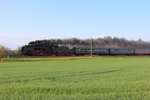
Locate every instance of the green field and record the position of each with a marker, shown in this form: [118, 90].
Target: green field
[102, 78]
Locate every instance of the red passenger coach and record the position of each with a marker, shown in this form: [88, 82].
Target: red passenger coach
[142, 51]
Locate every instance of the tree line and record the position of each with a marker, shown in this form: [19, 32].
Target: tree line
[106, 42]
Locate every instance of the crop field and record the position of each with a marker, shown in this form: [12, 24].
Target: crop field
[98, 78]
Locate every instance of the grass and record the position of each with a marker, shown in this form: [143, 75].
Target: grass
[101, 78]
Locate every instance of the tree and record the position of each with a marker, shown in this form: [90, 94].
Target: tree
[2, 52]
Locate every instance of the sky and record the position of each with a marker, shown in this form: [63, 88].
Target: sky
[22, 21]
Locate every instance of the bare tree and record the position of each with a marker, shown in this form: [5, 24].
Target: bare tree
[2, 52]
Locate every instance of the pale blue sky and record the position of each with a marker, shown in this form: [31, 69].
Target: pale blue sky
[22, 21]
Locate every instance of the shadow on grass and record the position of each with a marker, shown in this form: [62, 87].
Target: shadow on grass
[83, 74]
[55, 78]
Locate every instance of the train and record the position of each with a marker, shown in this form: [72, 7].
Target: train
[55, 50]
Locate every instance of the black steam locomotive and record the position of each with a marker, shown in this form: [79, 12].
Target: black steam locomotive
[54, 50]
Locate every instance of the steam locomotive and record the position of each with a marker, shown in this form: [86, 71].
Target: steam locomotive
[54, 50]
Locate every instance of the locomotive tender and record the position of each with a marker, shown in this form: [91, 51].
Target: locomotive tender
[54, 50]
